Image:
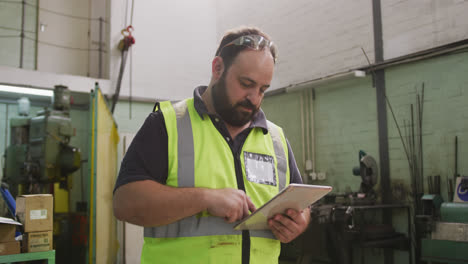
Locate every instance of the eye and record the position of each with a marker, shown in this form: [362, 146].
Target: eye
[247, 84]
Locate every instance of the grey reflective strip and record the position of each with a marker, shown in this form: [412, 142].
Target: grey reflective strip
[193, 227]
[186, 163]
[280, 154]
[200, 226]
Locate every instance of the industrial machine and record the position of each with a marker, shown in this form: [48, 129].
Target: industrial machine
[368, 172]
[444, 226]
[39, 153]
[40, 159]
[351, 221]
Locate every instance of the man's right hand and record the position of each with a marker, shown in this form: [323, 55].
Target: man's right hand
[230, 204]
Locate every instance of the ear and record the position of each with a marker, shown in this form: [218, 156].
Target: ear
[217, 67]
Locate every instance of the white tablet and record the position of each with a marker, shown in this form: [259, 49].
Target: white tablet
[295, 196]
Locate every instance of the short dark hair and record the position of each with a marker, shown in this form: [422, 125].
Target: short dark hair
[229, 53]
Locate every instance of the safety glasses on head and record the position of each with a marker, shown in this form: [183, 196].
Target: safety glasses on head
[255, 42]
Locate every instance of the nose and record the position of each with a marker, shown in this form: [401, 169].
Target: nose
[255, 97]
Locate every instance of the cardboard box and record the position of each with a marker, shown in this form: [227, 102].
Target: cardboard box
[7, 233]
[8, 248]
[35, 212]
[7, 229]
[37, 241]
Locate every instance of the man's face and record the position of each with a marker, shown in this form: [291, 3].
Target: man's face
[238, 93]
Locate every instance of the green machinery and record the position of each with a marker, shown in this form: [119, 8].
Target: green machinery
[446, 229]
[39, 153]
[40, 158]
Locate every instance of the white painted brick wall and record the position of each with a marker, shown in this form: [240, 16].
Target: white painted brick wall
[176, 40]
[175, 43]
[314, 38]
[411, 26]
[63, 31]
[319, 38]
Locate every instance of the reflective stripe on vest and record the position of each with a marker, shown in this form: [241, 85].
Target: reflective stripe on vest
[186, 170]
[280, 155]
[195, 226]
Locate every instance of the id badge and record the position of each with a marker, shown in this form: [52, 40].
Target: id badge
[260, 168]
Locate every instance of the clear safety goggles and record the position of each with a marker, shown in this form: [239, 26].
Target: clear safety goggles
[255, 42]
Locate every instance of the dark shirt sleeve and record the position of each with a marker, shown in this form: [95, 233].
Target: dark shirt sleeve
[146, 157]
[293, 170]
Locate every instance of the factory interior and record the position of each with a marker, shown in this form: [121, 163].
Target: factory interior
[371, 96]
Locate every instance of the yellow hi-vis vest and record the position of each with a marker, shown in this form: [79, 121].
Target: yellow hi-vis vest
[199, 156]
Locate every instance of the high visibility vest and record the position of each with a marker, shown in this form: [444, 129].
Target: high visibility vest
[199, 156]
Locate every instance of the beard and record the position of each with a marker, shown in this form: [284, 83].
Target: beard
[234, 115]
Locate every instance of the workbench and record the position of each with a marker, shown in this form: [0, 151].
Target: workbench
[403, 242]
[45, 255]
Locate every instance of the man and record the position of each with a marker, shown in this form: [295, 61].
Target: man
[199, 165]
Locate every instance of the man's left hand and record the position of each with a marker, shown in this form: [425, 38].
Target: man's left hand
[286, 227]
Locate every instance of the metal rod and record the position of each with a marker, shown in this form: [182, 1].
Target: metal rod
[36, 44]
[6, 127]
[412, 176]
[456, 158]
[130, 74]
[398, 127]
[430, 184]
[437, 184]
[23, 7]
[100, 47]
[307, 119]
[421, 158]
[419, 151]
[115, 97]
[302, 131]
[413, 148]
[312, 134]
[450, 190]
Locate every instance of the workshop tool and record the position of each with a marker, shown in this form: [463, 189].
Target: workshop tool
[368, 171]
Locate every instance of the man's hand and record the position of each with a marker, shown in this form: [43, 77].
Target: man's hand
[231, 204]
[286, 227]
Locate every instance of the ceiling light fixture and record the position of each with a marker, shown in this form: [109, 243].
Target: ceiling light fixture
[26, 91]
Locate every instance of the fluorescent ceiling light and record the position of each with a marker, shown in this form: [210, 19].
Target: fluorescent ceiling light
[24, 90]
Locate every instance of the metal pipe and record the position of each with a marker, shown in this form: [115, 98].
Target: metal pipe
[6, 125]
[100, 47]
[421, 157]
[417, 56]
[312, 134]
[437, 184]
[23, 7]
[456, 159]
[398, 127]
[90, 14]
[130, 79]
[430, 185]
[302, 132]
[413, 148]
[307, 126]
[36, 44]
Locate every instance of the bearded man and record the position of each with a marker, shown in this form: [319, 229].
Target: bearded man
[198, 166]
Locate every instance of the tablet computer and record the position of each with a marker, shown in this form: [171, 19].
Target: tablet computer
[295, 196]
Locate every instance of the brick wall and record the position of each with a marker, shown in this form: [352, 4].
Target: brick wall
[411, 26]
[346, 121]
